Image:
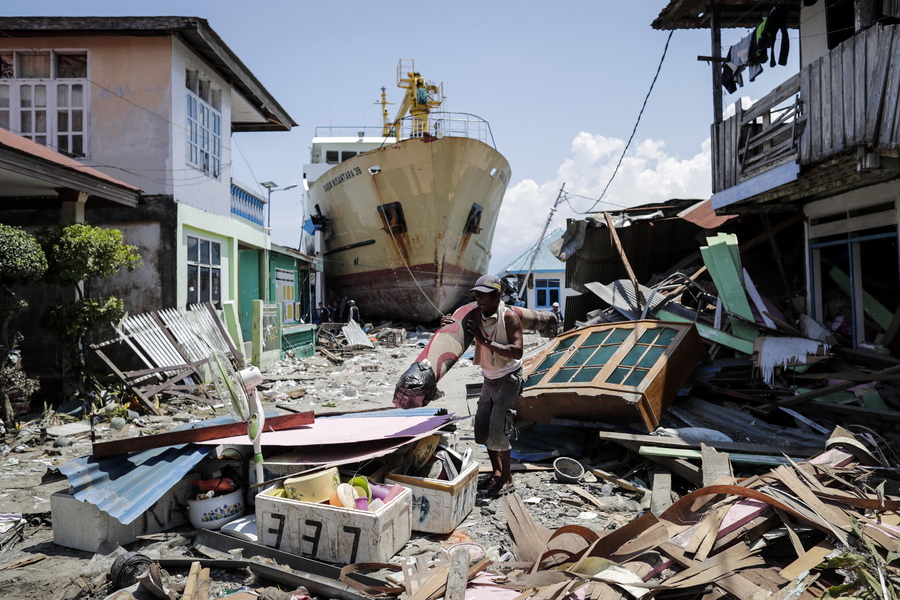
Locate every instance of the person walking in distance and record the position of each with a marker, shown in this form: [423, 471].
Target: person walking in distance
[497, 330]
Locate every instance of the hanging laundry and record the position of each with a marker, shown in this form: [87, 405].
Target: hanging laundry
[752, 51]
[765, 34]
[738, 60]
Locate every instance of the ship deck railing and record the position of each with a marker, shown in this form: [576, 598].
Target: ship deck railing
[439, 124]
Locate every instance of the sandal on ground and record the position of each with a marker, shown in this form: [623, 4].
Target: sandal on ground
[488, 482]
[501, 489]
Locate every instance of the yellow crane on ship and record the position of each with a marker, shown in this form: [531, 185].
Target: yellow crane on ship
[420, 99]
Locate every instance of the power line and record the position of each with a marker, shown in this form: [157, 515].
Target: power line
[634, 130]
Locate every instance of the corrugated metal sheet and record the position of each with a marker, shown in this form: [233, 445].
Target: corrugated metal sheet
[126, 486]
[545, 260]
[702, 215]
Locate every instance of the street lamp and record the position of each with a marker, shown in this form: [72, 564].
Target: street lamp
[273, 187]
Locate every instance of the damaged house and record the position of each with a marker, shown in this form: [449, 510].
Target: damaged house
[823, 145]
[144, 107]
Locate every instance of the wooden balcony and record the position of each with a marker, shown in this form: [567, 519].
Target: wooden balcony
[846, 99]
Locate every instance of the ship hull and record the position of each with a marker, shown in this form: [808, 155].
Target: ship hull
[415, 262]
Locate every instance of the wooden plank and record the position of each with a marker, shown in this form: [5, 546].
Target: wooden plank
[825, 78]
[872, 307]
[889, 100]
[715, 464]
[837, 98]
[848, 93]
[726, 275]
[614, 237]
[877, 64]
[679, 466]
[860, 72]
[143, 400]
[23, 562]
[672, 442]
[661, 499]
[723, 562]
[814, 103]
[750, 459]
[458, 577]
[203, 585]
[199, 434]
[809, 560]
[190, 587]
[757, 299]
[806, 92]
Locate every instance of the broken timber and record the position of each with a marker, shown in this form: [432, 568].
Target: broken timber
[199, 434]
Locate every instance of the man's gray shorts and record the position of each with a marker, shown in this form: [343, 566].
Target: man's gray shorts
[495, 418]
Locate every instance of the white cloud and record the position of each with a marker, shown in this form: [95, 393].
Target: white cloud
[647, 174]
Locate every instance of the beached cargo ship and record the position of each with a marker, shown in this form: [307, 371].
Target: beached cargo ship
[407, 212]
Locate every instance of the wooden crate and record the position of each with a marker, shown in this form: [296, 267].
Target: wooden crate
[438, 505]
[331, 533]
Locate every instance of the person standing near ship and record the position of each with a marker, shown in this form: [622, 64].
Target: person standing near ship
[498, 351]
[353, 313]
[555, 310]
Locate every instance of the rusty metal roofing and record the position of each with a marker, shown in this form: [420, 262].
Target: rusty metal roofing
[127, 486]
[695, 14]
[703, 215]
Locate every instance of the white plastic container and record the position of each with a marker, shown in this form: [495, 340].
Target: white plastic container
[333, 533]
[438, 505]
[212, 513]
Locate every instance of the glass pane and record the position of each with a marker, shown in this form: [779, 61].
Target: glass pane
[204, 252]
[585, 375]
[597, 338]
[192, 253]
[78, 145]
[635, 378]
[666, 336]
[633, 356]
[71, 65]
[563, 344]
[77, 120]
[34, 65]
[41, 139]
[40, 121]
[540, 283]
[651, 357]
[548, 362]
[216, 249]
[40, 96]
[62, 96]
[602, 355]
[6, 65]
[4, 119]
[192, 284]
[26, 122]
[554, 295]
[216, 283]
[563, 375]
[25, 96]
[78, 95]
[618, 375]
[618, 336]
[579, 357]
[62, 143]
[533, 379]
[4, 96]
[542, 298]
[62, 121]
[204, 284]
[648, 336]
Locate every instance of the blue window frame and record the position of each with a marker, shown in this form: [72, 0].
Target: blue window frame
[546, 292]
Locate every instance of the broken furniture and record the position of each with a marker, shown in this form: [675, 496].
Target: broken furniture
[625, 372]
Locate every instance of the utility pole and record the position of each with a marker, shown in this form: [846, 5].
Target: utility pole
[537, 247]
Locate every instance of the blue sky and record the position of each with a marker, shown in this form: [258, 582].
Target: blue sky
[560, 83]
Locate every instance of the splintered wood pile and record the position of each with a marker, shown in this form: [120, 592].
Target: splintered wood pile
[793, 532]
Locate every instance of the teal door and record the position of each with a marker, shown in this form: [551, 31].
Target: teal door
[248, 282]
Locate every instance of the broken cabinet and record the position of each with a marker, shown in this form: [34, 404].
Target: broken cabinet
[625, 372]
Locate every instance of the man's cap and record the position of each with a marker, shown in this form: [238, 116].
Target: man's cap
[555, 305]
[487, 284]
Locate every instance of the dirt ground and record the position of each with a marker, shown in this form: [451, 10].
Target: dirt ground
[29, 462]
